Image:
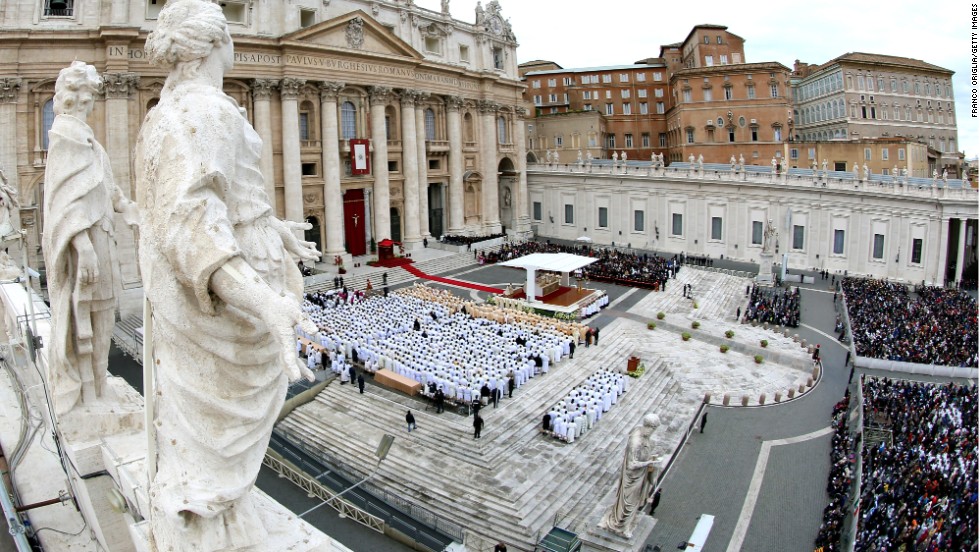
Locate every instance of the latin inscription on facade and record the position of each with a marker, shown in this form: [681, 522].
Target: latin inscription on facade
[255, 58]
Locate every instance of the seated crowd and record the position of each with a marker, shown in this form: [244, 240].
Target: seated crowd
[920, 493]
[441, 342]
[467, 240]
[932, 326]
[840, 479]
[584, 406]
[634, 269]
[774, 306]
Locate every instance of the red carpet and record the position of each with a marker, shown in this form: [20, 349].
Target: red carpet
[393, 262]
[450, 281]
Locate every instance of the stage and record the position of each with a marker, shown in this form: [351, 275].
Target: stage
[548, 274]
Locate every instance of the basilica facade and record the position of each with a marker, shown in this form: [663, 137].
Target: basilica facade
[379, 119]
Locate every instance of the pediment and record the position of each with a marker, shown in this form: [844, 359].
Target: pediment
[357, 31]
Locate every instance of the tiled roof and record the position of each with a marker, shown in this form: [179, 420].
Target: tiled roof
[862, 57]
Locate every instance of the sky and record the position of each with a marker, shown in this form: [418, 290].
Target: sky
[588, 33]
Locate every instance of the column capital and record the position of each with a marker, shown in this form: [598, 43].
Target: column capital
[9, 89]
[262, 88]
[289, 88]
[120, 85]
[409, 96]
[330, 90]
[487, 107]
[379, 94]
[454, 103]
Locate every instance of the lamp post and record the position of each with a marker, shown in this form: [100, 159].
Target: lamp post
[382, 451]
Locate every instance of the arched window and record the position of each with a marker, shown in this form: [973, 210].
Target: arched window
[47, 119]
[306, 125]
[502, 130]
[430, 124]
[348, 121]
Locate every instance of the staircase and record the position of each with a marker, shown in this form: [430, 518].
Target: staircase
[398, 275]
[510, 484]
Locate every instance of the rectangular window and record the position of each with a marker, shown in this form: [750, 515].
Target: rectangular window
[464, 53]
[707, 94]
[797, 236]
[755, 135]
[838, 242]
[663, 139]
[884, 154]
[731, 134]
[660, 107]
[607, 78]
[629, 140]
[659, 93]
[608, 94]
[569, 213]
[723, 59]
[901, 154]
[867, 154]
[794, 153]
[645, 140]
[609, 109]
[716, 228]
[552, 98]
[603, 217]
[916, 251]
[750, 91]
[641, 77]
[627, 109]
[433, 45]
[586, 94]
[687, 95]
[625, 93]
[552, 83]
[658, 76]
[611, 141]
[677, 224]
[756, 232]
[774, 90]
[536, 84]
[498, 58]
[304, 126]
[559, 140]
[537, 210]
[728, 92]
[878, 247]
[537, 99]
[638, 221]
[307, 18]
[624, 77]
[644, 108]
[690, 136]
[709, 61]
[567, 81]
[642, 93]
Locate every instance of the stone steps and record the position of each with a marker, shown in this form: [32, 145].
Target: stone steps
[397, 276]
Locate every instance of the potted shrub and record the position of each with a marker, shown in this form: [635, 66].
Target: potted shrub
[758, 359]
[695, 304]
[730, 334]
[695, 324]
[661, 315]
[651, 325]
[724, 348]
[685, 336]
[764, 343]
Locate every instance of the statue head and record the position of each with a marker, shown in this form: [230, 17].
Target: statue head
[187, 32]
[75, 89]
[651, 421]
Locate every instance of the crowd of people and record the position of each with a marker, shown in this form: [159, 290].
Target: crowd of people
[840, 480]
[920, 492]
[621, 267]
[450, 239]
[774, 306]
[934, 325]
[464, 350]
[584, 406]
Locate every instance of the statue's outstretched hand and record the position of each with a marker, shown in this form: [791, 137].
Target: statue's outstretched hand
[302, 250]
[282, 319]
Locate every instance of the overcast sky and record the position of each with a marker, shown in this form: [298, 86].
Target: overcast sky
[586, 33]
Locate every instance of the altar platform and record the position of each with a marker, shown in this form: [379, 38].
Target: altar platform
[548, 275]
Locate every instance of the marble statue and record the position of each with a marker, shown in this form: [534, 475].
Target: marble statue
[769, 236]
[867, 172]
[813, 165]
[700, 162]
[588, 157]
[741, 160]
[623, 156]
[79, 244]
[579, 158]
[935, 175]
[733, 163]
[220, 273]
[615, 157]
[857, 173]
[823, 166]
[636, 479]
[945, 175]
[690, 159]
[8, 204]
[480, 14]
[905, 172]
[773, 164]
[445, 6]
[894, 171]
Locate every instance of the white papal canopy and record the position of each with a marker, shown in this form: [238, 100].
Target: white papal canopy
[551, 262]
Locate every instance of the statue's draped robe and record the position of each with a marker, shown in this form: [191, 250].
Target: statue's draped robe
[78, 193]
[219, 379]
[634, 484]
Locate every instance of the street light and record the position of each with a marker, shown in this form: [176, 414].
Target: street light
[381, 452]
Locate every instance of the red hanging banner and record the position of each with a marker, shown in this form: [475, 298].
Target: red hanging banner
[360, 157]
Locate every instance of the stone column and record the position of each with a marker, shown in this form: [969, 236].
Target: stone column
[291, 169]
[522, 217]
[961, 249]
[9, 92]
[410, 168]
[262, 99]
[379, 140]
[455, 202]
[119, 88]
[333, 197]
[423, 162]
[488, 154]
[943, 246]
